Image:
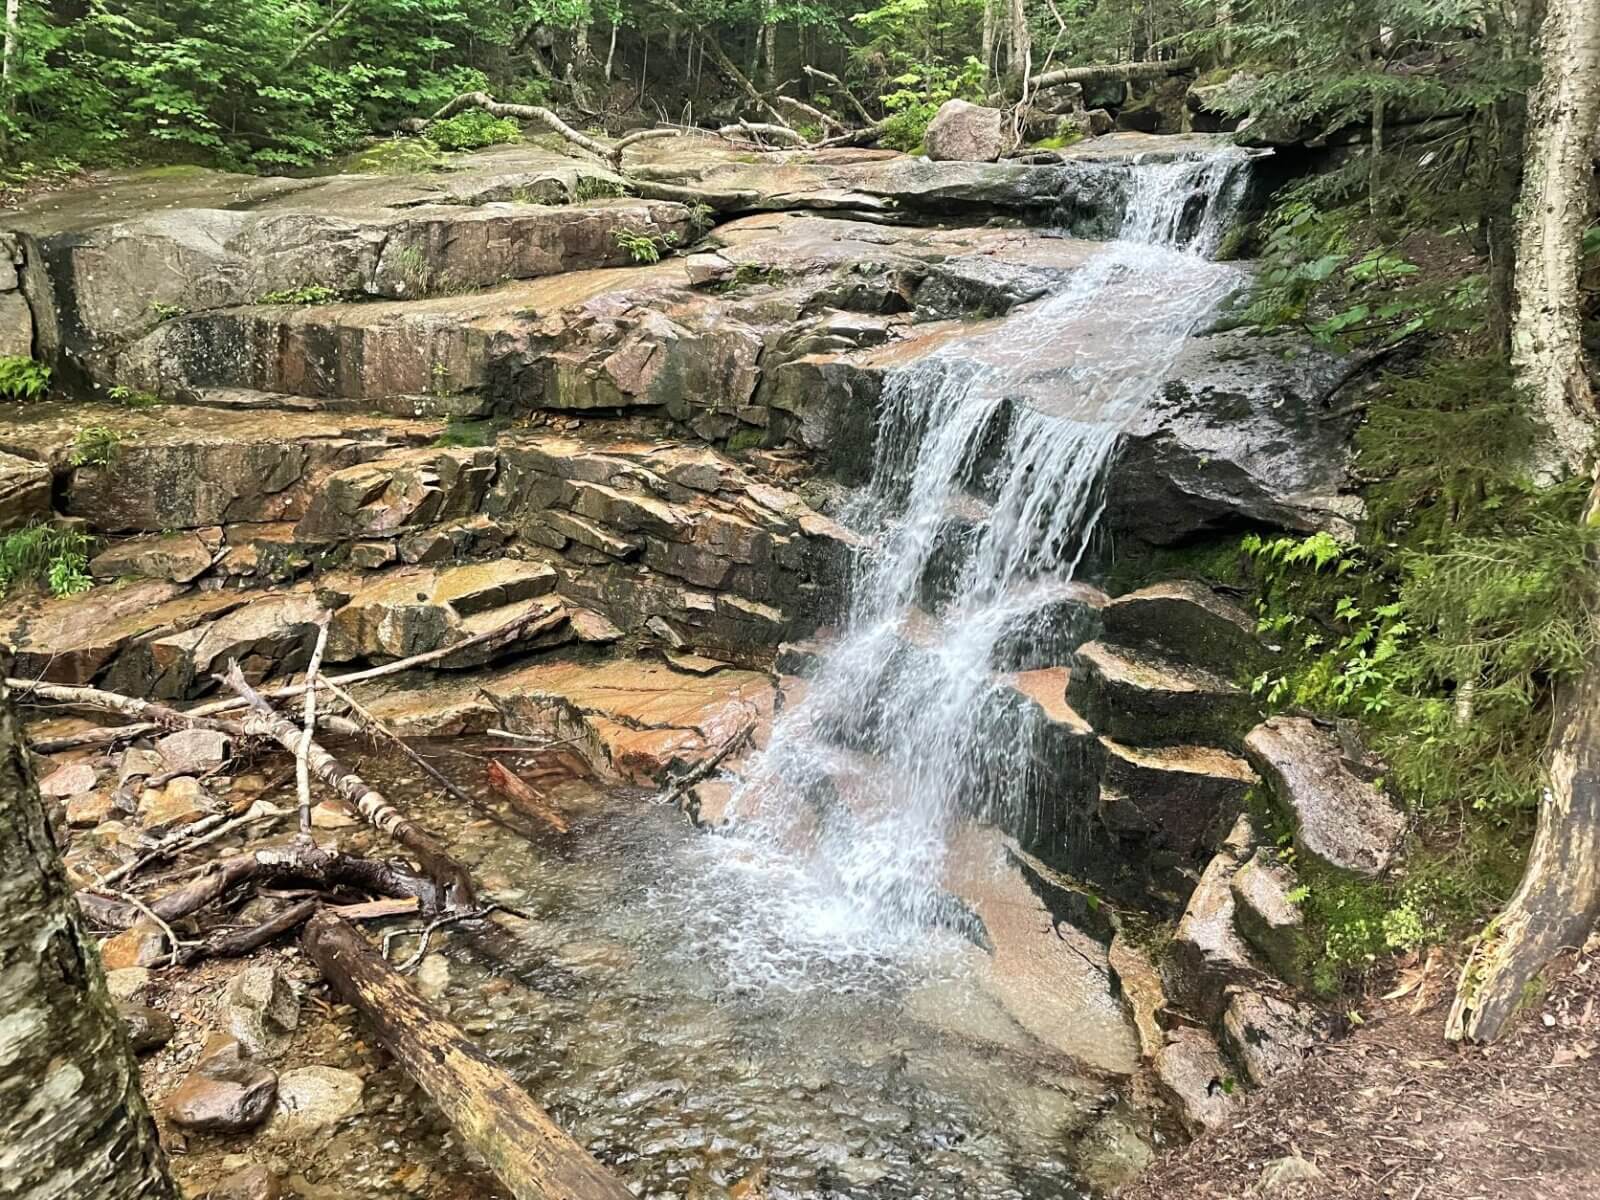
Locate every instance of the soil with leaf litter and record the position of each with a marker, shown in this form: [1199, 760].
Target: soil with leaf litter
[1397, 1111]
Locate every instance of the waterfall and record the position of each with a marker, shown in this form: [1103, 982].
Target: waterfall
[984, 491]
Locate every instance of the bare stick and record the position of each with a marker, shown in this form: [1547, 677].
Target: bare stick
[302, 766]
[158, 716]
[709, 765]
[526, 798]
[366, 800]
[824, 122]
[757, 131]
[317, 34]
[839, 86]
[526, 1150]
[239, 942]
[376, 726]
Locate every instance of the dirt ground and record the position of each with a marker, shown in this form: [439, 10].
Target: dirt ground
[1395, 1111]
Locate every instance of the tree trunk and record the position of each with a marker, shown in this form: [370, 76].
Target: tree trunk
[986, 46]
[527, 1151]
[1558, 900]
[1020, 39]
[72, 1121]
[1547, 332]
[1511, 28]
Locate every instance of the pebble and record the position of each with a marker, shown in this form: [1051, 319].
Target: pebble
[89, 809]
[141, 945]
[148, 1028]
[183, 800]
[433, 976]
[193, 751]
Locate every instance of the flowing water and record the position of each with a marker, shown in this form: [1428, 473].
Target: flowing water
[787, 1010]
[984, 493]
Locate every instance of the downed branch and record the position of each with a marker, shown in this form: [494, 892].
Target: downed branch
[150, 716]
[366, 800]
[826, 123]
[529, 112]
[757, 131]
[236, 943]
[299, 864]
[1128, 71]
[838, 85]
[514, 789]
[704, 769]
[529, 1153]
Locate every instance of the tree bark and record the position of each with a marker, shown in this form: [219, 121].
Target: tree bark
[1547, 331]
[527, 1151]
[1557, 902]
[72, 1120]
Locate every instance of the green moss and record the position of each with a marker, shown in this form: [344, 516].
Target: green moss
[401, 156]
[459, 431]
[1215, 560]
[1059, 142]
[746, 439]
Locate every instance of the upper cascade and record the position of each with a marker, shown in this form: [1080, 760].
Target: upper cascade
[984, 491]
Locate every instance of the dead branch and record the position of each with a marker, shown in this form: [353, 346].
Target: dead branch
[151, 717]
[704, 769]
[514, 789]
[1128, 71]
[756, 131]
[526, 1150]
[302, 766]
[298, 864]
[375, 726]
[239, 942]
[838, 86]
[857, 137]
[826, 123]
[316, 35]
[527, 112]
[366, 800]
[192, 837]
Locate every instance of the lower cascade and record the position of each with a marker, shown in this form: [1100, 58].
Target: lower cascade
[983, 498]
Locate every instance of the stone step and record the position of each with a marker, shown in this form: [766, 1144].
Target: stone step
[1339, 817]
[1187, 621]
[1143, 700]
[1207, 956]
[1180, 799]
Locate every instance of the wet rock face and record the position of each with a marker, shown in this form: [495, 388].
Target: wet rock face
[24, 491]
[1241, 435]
[1339, 818]
[964, 132]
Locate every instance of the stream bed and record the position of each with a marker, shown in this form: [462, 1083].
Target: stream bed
[657, 1004]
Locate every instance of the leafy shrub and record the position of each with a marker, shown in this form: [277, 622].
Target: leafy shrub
[95, 446]
[310, 293]
[597, 187]
[641, 247]
[54, 557]
[473, 129]
[22, 378]
[398, 156]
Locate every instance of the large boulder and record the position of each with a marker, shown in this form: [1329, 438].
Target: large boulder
[1339, 818]
[963, 132]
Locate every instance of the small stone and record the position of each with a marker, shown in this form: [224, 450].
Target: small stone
[71, 780]
[705, 269]
[127, 982]
[1192, 1074]
[332, 814]
[224, 1092]
[433, 976]
[261, 1009]
[250, 1183]
[148, 1028]
[139, 764]
[142, 945]
[1267, 1036]
[369, 556]
[590, 626]
[311, 1099]
[181, 802]
[89, 809]
[1281, 1172]
[193, 751]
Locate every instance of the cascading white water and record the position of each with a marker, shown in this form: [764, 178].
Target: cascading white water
[984, 491]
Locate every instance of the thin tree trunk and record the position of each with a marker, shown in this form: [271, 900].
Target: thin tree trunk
[611, 51]
[1512, 30]
[72, 1120]
[987, 44]
[1547, 332]
[1020, 39]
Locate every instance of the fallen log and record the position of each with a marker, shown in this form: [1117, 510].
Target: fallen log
[149, 713]
[370, 803]
[1128, 71]
[502, 780]
[838, 85]
[756, 131]
[528, 1152]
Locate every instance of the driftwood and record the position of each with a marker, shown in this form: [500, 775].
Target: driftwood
[300, 864]
[366, 800]
[237, 943]
[1129, 71]
[757, 131]
[704, 769]
[529, 1153]
[150, 714]
[514, 789]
